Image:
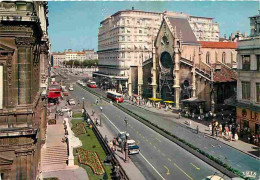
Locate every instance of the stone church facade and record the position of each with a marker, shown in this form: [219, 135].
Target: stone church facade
[177, 70]
[24, 59]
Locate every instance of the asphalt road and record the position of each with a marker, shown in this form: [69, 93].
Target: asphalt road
[227, 154]
[159, 157]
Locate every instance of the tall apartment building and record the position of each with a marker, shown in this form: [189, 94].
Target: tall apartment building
[204, 28]
[126, 37]
[248, 82]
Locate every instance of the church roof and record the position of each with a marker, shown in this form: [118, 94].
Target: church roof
[218, 45]
[182, 25]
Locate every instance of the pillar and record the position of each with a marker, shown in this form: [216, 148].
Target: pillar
[154, 75]
[193, 81]
[212, 90]
[140, 77]
[130, 88]
[177, 77]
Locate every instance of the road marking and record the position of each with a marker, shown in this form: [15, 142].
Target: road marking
[112, 123]
[195, 166]
[152, 166]
[169, 159]
[163, 154]
[158, 139]
[183, 171]
[154, 147]
[167, 170]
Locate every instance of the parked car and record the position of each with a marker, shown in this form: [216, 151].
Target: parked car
[65, 109]
[132, 147]
[83, 84]
[71, 102]
[213, 177]
[71, 88]
[121, 135]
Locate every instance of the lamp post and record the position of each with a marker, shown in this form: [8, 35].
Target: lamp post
[101, 109]
[126, 148]
[83, 105]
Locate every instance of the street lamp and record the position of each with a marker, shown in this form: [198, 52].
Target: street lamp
[101, 109]
[83, 105]
[126, 148]
[126, 122]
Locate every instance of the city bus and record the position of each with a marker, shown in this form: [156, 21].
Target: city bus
[115, 96]
[92, 84]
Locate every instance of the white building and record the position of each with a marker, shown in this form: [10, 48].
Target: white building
[124, 38]
[204, 28]
[90, 54]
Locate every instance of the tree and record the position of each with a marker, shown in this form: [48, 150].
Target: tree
[76, 63]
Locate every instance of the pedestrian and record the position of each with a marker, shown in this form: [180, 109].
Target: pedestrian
[210, 127]
[93, 112]
[105, 138]
[179, 115]
[101, 109]
[114, 143]
[120, 144]
[96, 101]
[190, 123]
[197, 129]
[111, 145]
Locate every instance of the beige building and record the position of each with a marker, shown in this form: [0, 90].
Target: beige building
[58, 58]
[90, 54]
[248, 83]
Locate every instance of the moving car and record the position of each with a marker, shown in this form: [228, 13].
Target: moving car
[213, 177]
[71, 102]
[65, 93]
[71, 88]
[92, 84]
[115, 96]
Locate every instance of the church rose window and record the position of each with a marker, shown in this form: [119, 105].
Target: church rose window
[166, 60]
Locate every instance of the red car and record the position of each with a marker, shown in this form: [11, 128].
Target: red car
[115, 96]
[92, 84]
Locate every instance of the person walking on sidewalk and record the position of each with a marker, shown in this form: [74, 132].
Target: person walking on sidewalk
[120, 145]
[114, 144]
[197, 129]
[105, 138]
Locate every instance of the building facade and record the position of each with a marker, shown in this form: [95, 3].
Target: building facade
[204, 28]
[127, 36]
[248, 83]
[90, 54]
[58, 58]
[24, 60]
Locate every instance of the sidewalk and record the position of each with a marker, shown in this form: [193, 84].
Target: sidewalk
[54, 154]
[131, 170]
[203, 127]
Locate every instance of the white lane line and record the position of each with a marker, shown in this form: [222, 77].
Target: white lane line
[139, 152]
[111, 123]
[151, 166]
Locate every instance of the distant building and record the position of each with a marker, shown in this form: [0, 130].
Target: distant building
[248, 83]
[58, 58]
[90, 54]
[204, 28]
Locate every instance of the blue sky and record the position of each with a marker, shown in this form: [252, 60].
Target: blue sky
[74, 25]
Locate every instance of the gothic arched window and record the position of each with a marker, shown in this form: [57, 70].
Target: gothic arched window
[207, 58]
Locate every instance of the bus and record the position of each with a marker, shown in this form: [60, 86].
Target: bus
[115, 96]
[92, 84]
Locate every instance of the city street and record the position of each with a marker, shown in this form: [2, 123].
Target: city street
[159, 157]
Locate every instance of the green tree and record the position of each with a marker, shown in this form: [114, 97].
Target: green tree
[76, 63]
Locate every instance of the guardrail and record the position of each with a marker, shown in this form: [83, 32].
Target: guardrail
[214, 162]
[108, 151]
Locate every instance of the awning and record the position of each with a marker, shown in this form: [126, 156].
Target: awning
[169, 102]
[192, 100]
[155, 99]
[54, 94]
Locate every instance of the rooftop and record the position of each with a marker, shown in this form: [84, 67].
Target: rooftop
[218, 45]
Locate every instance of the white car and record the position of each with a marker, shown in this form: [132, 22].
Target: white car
[65, 109]
[83, 84]
[71, 102]
[132, 147]
[213, 177]
[71, 88]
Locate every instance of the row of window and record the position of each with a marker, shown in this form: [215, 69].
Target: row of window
[216, 57]
[246, 91]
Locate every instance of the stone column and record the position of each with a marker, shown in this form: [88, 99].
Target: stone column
[140, 77]
[154, 75]
[24, 68]
[177, 77]
[212, 90]
[130, 88]
[193, 81]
